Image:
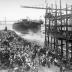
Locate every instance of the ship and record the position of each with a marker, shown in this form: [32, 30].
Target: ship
[25, 26]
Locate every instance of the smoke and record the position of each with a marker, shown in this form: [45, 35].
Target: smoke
[26, 27]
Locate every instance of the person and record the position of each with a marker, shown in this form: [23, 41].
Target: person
[44, 62]
[48, 62]
[5, 28]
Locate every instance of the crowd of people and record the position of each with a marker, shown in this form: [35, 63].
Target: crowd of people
[18, 52]
[22, 55]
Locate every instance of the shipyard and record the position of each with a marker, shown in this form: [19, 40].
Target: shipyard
[37, 45]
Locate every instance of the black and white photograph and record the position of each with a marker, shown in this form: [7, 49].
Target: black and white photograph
[35, 35]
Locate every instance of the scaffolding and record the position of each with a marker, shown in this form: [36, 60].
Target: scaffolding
[58, 33]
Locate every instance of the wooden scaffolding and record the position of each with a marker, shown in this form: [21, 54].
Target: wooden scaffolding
[58, 33]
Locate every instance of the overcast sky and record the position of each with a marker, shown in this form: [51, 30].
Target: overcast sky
[13, 11]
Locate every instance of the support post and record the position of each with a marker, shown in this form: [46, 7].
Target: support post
[66, 35]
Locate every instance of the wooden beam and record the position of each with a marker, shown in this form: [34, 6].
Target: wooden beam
[42, 8]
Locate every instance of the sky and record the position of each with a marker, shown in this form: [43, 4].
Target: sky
[11, 9]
